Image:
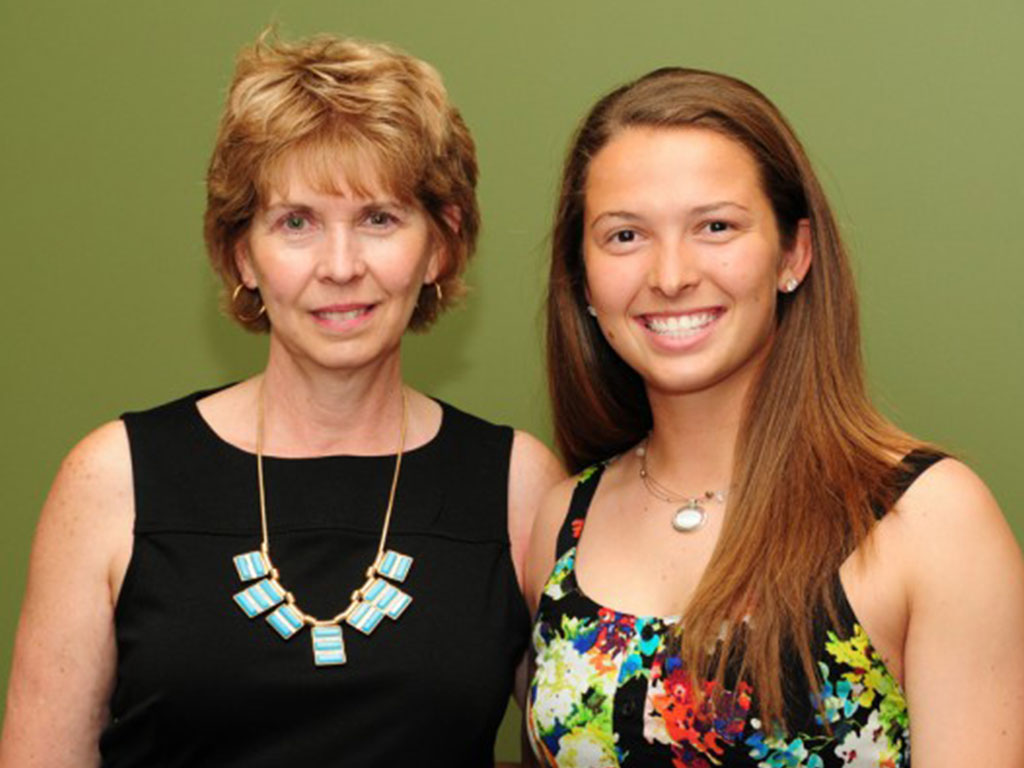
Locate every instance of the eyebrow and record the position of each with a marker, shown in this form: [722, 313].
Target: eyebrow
[287, 205]
[385, 202]
[700, 210]
[616, 215]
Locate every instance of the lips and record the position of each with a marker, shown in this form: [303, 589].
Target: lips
[342, 316]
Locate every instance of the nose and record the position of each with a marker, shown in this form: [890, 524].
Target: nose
[341, 258]
[674, 268]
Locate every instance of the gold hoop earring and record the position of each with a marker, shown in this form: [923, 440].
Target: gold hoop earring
[240, 317]
[439, 292]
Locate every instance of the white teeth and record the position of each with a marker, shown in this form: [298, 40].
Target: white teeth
[680, 325]
[343, 316]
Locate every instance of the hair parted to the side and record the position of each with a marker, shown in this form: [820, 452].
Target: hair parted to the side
[342, 108]
[813, 453]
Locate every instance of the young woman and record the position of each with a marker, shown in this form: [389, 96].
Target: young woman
[753, 566]
[318, 565]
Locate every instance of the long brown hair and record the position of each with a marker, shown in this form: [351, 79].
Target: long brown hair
[813, 454]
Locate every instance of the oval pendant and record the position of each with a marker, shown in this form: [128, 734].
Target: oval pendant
[689, 518]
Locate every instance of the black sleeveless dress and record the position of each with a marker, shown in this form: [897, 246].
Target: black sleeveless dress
[201, 684]
[606, 690]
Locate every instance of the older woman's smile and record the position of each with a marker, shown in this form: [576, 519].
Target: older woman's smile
[343, 317]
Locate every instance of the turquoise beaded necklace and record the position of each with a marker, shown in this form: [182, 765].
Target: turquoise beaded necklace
[367, 606]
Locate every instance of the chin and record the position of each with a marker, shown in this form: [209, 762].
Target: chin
[695, 380]
[675, 385]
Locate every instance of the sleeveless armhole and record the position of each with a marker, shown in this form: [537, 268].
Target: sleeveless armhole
[586, 486]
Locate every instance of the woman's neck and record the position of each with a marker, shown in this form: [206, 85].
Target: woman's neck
[693, 439]
[313, 411]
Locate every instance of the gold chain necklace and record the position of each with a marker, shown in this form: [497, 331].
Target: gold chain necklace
[367, 606]
[689, 517]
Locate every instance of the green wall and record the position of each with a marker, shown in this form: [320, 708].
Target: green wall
[911, 110]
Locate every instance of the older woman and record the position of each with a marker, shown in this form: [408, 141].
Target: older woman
[318, 563]
[754, 567]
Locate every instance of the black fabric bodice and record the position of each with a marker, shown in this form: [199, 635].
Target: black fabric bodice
[200, 684]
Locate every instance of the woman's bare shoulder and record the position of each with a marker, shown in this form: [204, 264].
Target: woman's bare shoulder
[89, 512]
[543, 542]
[533, 470]
[949, 498]
[95, 476]
[953, 536]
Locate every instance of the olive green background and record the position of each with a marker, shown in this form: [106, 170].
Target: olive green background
[911, 111]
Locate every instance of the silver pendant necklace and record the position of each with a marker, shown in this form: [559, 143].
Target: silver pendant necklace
[692, 515]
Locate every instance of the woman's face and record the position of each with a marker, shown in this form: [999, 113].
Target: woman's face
[339, 274]
[682, 255]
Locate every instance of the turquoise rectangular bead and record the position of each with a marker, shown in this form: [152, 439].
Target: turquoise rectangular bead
[328, 646]
[285, 620]
[251, 565]
[395, 565]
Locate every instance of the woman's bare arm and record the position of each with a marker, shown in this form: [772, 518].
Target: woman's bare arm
[540, 560]
[64, 653]
[964, 652]
[533, 472]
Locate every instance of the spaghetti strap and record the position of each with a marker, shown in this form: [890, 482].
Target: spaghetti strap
[911, 467]
[582, 495]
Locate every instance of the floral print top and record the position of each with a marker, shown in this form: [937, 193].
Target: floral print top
[605, 690]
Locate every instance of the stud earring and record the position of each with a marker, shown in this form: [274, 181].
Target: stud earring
[790, 285]
[591, 311]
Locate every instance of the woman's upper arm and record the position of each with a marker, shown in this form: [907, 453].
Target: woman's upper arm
[964, 653]
[64, 653]
[533, 470]
[540, 559]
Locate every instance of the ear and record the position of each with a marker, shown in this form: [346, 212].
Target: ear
[243, 263]
[438, 263]
[796, 261]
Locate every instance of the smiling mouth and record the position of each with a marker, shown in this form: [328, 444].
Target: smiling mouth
[682, 325]
[342, 315]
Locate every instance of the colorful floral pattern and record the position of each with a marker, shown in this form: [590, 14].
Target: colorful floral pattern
[606, 692]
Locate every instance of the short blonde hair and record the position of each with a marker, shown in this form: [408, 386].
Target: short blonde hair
[340, 105]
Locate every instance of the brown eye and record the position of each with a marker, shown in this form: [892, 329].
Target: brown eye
[625, 236]
[718, 226]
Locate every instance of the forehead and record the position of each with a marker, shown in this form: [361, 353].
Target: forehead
[349, 172]
[642, 165]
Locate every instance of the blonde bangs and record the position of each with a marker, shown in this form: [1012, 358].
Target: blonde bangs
[335, 161]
